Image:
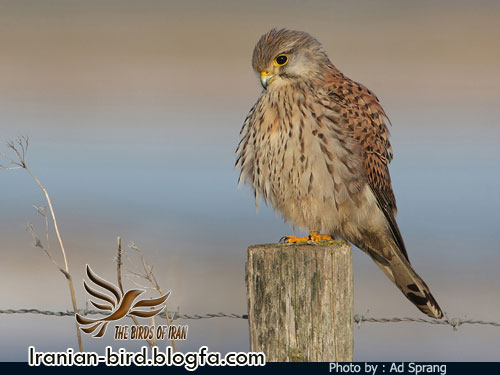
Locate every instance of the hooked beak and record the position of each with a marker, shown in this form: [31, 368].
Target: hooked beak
[266, 78]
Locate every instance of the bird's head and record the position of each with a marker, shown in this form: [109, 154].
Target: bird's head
[284, 56]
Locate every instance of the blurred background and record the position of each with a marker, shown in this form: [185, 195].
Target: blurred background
[133, 110]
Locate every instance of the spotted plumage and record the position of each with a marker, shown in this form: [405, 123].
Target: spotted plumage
[316, 146]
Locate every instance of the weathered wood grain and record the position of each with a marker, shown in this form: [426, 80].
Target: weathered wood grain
[300, 301]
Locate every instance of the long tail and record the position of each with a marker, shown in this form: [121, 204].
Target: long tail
[400, 271]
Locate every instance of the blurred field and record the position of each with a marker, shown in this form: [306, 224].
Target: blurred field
[133, 110]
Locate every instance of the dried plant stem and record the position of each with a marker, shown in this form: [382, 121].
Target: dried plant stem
[65, 271]
[56, 227]
[166, 315]
[119, 263]
[154, 325]
[120, 285]
[149, 276]
[20, 148]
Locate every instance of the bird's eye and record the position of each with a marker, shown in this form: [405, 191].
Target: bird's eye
[281, 60]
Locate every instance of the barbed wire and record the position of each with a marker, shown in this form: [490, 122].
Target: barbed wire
[453, 322]
[171, 315]
[358, 319]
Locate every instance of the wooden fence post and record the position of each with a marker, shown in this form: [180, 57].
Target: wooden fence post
[300, 301]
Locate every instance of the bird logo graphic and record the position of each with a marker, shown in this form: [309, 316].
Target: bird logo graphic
[117, 305]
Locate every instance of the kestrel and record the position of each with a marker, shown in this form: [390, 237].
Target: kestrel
[315, 145]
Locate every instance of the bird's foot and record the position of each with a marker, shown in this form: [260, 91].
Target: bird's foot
[318, 237]
[293, 239]
[313, 236]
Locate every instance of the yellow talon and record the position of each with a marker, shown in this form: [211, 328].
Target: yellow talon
[317, 237]
[313, 236]
[293, 239]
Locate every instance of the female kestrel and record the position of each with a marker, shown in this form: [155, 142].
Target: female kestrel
[315, 145]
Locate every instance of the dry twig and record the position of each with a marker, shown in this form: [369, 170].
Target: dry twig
[20, 147]
[120, 285]
[146, 274]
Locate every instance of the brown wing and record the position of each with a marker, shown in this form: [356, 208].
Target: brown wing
[365, 119]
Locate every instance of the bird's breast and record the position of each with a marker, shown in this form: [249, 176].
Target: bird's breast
[301, 160]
